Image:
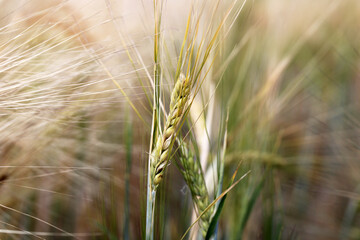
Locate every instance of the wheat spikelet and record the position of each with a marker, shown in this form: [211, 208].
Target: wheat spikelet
[179, 97]
[195, 180]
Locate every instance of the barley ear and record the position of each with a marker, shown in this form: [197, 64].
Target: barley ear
[159, 157]
[194, 178]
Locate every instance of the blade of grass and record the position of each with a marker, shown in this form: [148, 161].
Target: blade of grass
[214, 222]
[214, 202]
[128, 140]
[255, 194]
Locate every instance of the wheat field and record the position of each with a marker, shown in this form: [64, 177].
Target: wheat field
[204, 119]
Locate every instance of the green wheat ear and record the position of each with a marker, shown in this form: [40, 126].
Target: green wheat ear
[194, 178]
[159, 158]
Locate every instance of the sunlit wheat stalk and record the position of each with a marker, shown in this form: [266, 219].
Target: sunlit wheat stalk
[159, 158]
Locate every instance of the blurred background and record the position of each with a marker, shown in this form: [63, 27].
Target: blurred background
[75, 118]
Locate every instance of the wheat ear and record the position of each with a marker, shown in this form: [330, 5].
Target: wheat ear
[194, 178]
[159, 159]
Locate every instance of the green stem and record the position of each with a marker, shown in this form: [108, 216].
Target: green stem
[150, 209]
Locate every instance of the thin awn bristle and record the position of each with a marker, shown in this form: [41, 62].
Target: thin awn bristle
[179, 98]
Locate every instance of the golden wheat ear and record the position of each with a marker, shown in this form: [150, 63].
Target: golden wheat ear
[178, 103]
